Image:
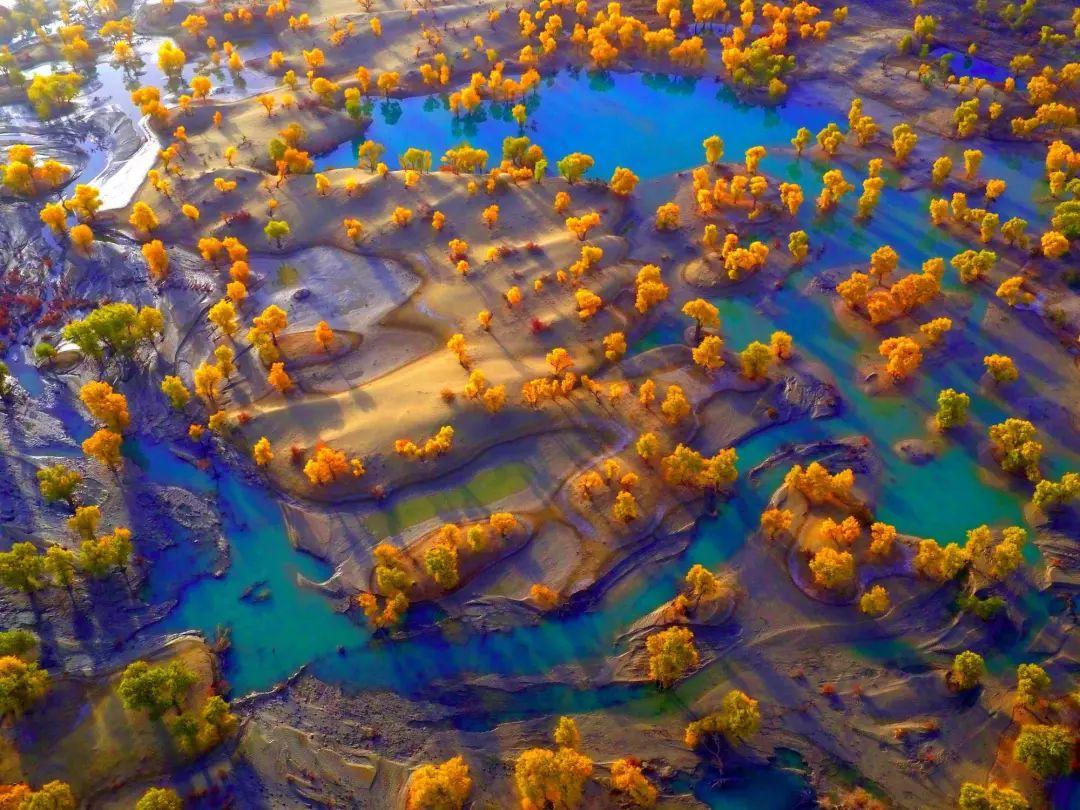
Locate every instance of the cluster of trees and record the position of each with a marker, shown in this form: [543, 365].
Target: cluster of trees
[109, 408]
[738, 719]
[155, 689]
[1053, 243]
[392, 581]
[1042, 88]
[671, 654]
[614, 481]
[881, 301]
[997, 559]
[25, 176]
[557, 778]
[49, 93]
[819, 485]
[686, 467]
[493, 397]
[209, 377]
[831, 561]
[543, 776]
[1046, 750]
[445, 786]
[26, 569]
[441, 559]
[833, 565]
[55, 795]
[762, 61]
[161, 689]
[115, 330]
[22, 681]
[432, 447]
[324, 467]
[1051, 494]
[387, 604]
[990, 797]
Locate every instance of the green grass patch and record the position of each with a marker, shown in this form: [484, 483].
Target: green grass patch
[287, 275]
[483, 488]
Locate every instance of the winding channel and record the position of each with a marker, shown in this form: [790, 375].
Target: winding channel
[653, 125]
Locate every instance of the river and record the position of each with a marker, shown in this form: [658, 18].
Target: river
[653, 125]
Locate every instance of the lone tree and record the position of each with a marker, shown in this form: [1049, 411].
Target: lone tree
[952, 409]
[671, 654]
[439, 787]
[276, 231]
[60, 566]
[553, 778]
[738, 719]
[22, 684]
[58, 483]
[1031, 682]
[159, 799]
[627, 778]
[977, 797]
[21, 568]
[967, 670]
[20, 643]
[1045, 750]
[704, 315]
[55, 795]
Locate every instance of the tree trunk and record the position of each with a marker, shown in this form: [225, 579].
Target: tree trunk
[127, 582]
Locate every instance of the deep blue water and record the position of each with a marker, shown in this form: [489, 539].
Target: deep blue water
[965, 65]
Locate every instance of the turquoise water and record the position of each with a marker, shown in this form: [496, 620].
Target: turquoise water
[965, 65]
[653, 125]
[650, 123]
[273, 638]
[946, 496]
[273, 634]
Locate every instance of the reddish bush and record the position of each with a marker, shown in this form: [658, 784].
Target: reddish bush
[239, 217]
